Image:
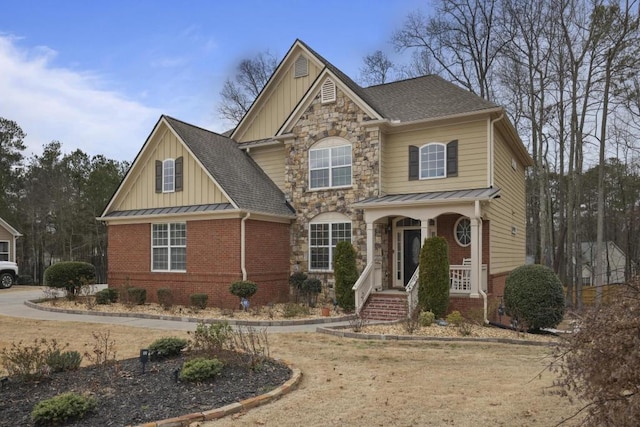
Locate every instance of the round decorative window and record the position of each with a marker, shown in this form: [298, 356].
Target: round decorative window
[463, 231]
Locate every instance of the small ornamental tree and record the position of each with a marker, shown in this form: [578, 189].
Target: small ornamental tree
[71, 276]
[533, 294]
[346, 274]
[243, 289]
[433, 291]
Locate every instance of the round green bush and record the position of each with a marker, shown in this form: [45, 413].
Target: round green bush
[427, 318]
[70, 275]
[533, 295]
[62, 408]
[106, 296]
[198, 301]
[200, 369]
[243, 289]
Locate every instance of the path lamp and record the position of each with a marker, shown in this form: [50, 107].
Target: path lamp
[144, 357]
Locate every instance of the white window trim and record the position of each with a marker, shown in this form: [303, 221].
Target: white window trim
[331, 223]
[330, 167]
[168, 270]
[173, 176]
[8, 249]
[455, 232]
[444, 146]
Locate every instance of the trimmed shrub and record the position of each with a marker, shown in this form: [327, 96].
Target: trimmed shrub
[200, 369]
[198, 301]
[433, 291]
[455, 318]
[70, 276]
[64, 361]
[167, 347]
[165, 298]
[243, 289]
[427, 318]
[106, 296]
[296, 280]
[137, 296]
[346, 274]
[311, 287]
[533, 295]
[62, 408]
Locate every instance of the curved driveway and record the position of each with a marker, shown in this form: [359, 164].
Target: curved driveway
[12, 305]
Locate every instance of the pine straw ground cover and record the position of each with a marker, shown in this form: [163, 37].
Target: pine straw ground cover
[367, 383]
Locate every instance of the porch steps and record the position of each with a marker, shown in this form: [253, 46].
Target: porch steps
[386, 306]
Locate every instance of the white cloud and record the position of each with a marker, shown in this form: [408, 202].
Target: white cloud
[52, 103]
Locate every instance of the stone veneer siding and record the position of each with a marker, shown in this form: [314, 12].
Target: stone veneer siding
[343, 119]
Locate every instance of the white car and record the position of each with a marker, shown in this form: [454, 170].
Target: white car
[8, 274]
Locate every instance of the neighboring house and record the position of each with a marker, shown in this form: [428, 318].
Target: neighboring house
[614, 262]
[8, 237]
[318, 160]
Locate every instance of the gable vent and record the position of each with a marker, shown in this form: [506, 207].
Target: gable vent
[328, 91]
[301, 67]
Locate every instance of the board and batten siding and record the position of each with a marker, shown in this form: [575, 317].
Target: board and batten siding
[139, 192]
[472, 158]
[269, 115]
[272, 161]
[508, 250]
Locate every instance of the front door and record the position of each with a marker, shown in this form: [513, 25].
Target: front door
[411, 251]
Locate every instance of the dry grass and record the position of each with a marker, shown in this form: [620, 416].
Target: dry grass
[370, 383]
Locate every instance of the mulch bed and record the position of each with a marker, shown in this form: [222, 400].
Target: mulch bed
[126, 396]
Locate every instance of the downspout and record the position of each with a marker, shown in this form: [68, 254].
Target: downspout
[492, 148]
[243, 246]
[478, 217]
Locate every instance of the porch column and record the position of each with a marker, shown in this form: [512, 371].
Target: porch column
[371, 244]
[424, 230]
[476, 256]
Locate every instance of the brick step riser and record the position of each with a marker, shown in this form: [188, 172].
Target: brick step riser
[385, 308]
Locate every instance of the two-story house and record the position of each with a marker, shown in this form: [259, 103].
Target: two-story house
[318, 160]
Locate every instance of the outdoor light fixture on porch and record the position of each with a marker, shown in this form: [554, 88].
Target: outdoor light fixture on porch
[144, 357]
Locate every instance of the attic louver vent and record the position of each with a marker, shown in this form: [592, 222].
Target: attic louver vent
[301, 67]
[328, 91]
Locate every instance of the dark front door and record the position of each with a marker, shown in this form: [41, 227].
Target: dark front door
[411, 253]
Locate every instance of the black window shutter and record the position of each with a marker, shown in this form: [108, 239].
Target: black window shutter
[414, 163]
[158, 176]
[452, 158]
[179, 174]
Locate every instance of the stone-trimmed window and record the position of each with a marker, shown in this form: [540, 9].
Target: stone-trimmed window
[330, 164]
[4, 250]
[462, 231]
[169, 247]
[325, 231]
[169, 175]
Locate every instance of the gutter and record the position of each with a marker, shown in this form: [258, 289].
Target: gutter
[243, 247]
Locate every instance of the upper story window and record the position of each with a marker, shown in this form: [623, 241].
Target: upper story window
[169, 175]
[433, 160]
[168, 180]
[4, 250]
[330, 164]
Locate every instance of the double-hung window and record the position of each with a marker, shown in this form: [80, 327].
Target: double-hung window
[433, 161]
[4, 250]
[169, 247]
[323, 238]
[330, 167]
[168, 180]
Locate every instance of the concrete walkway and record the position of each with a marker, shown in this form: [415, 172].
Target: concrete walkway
[12, 305]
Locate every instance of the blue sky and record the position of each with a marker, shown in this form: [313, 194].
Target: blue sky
[96, 75]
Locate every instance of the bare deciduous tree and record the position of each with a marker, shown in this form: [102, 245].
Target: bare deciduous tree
[376, 69]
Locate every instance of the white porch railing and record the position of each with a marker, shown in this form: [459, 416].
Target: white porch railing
[412, 291]
[364, 286]
[460, 278]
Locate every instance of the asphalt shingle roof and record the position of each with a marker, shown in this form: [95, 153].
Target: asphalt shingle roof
[238, 175]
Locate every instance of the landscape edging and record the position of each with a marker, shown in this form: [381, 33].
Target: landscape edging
[236, 322]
